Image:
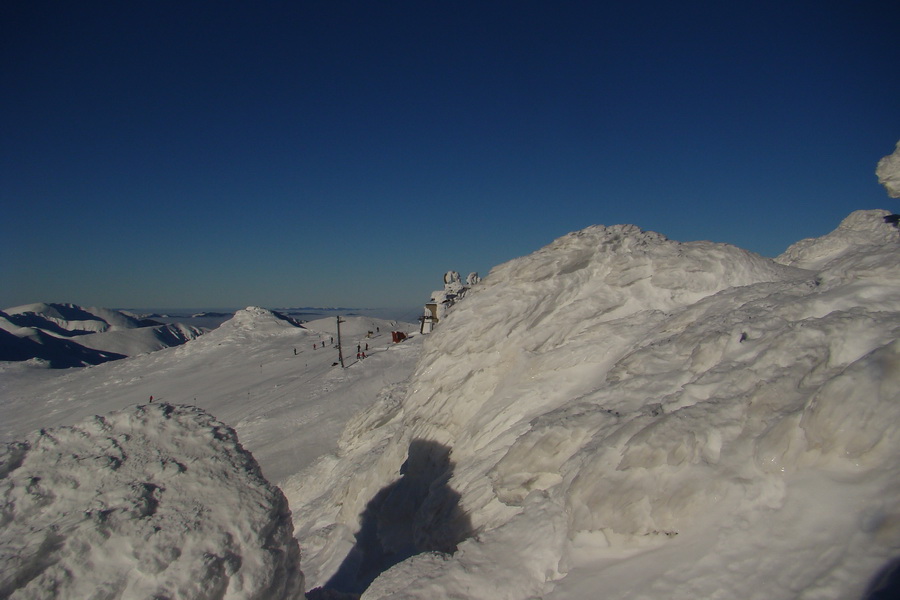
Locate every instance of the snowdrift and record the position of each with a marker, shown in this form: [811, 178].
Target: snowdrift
[619, 415]
[158, 501]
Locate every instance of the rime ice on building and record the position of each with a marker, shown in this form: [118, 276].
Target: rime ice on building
[441, 300]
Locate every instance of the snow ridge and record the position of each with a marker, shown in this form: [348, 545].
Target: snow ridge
[616, 392]
[862, 233]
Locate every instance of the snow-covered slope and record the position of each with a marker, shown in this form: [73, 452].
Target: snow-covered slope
[258, 372]
[66, 335]
[129, 342]
[622, 416]
[25, 344]
[615, 416]
[158, 501]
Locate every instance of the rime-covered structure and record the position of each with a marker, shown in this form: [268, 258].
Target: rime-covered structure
[441, 300]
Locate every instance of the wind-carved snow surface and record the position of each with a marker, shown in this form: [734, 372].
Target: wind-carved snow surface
[888, 172]
[619, 415]
[615, 416]
[158, 501]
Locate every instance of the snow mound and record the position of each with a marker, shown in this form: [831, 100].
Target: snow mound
[863, 232]
[617, 393]
[249, 325]
[157, 501]
[259, 320]
[888, 172]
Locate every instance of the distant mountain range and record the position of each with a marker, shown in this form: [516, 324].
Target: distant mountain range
[67, 335]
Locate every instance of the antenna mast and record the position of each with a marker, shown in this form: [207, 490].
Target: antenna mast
[340, 352]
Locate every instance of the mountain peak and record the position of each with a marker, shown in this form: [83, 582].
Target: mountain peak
[257, 318]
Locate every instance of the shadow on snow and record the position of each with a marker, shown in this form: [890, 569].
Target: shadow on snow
[415, 514]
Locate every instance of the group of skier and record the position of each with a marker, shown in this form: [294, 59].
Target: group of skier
[317, 345]
[360, 352]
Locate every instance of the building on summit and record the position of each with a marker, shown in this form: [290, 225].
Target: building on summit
[441, 300]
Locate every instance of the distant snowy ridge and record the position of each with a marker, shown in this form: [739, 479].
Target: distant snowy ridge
[66, 335]
[156, 501]
[70, 319]
[619, 415]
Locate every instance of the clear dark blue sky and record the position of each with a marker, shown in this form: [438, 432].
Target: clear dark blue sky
[223, 154]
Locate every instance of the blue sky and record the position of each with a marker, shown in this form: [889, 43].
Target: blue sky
[223, 154]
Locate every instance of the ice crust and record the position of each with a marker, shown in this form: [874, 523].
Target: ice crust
[159, 501]
[632, 417]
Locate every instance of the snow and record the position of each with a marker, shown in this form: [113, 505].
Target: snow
[49, 332]
[860, 234]
[888, 172]
[617, 415]
[245, 372]
[75, 318]
[618, 403]
[138, 341]
[156, 501]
